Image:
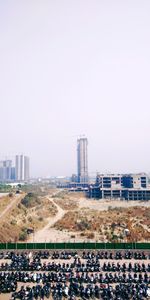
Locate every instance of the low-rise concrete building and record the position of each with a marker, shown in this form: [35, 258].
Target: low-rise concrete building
[123, 186]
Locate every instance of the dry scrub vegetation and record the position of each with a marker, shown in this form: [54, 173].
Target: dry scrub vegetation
[67, 203]
[4, 201]
[108, 225]
[83, 218]
[31, 212]
[69, 200]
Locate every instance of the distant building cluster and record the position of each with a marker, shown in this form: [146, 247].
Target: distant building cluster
[111, 186]
[123, 186]
[106, 186]
[18, 171]
[7, 171]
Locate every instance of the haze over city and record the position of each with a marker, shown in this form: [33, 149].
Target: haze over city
[70, 68]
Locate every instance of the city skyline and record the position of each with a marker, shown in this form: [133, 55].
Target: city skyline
[16, 169]
[81, 160]
[71, 68]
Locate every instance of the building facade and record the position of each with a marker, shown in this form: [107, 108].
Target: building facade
[124, 186]
[6, 171]
[22, 168]
[82, 160]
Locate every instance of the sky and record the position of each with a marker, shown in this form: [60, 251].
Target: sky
[74, 67]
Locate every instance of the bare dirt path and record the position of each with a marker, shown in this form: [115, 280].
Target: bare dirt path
[11, 205]
[44, 234]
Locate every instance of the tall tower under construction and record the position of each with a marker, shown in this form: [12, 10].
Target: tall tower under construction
[82, 160]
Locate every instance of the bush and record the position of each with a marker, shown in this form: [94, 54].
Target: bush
[4, 188]
[13, 222]
[30, 200]
[10, 195]
[91, 235]
[23, 235]
[114, 237]
[82, 234]
[113, 225]
[30, 219]
[83, 225]
[72, 236]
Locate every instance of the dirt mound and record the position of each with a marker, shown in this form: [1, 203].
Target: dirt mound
[26, 215]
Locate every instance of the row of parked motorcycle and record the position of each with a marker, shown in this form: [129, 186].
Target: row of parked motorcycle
[76, 291]
[24, 264]
[7, 279]
[67, 254]
[83, 275]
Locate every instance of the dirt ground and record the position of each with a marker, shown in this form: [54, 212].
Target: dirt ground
[66, 216]
[69, 204]
[105, 204]
[45, 234]
[3, 194]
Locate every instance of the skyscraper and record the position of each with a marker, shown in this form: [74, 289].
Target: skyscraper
[5, 170]
[22, 167]
[26, 167]
[82, 160]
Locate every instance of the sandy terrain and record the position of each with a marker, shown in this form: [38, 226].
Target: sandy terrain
[45, 234]
[12, 204]
[51, 234]
[73, 209]
[3, 194]
[103, 204]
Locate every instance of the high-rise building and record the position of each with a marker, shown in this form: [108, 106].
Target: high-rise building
[22, 167]
[1, 171]
[5, 170]
[82, 160]
[26, 167]
[13, 173]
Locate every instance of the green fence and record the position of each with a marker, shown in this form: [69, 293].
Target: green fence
[76, 246]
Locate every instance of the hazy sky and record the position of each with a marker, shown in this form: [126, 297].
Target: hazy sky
[71, 67]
